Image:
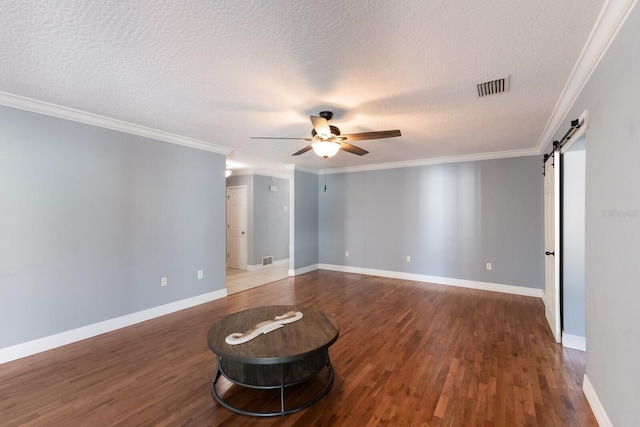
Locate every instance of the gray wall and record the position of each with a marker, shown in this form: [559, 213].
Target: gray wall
[613, 224]
[451, 219]
[573, 243]
[306, 219]
[90, 219]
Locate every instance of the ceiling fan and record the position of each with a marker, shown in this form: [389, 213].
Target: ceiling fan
[327, 140]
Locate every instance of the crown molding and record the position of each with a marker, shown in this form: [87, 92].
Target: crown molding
[435, 161]
[277, 172]
[46, 108]
[263, 172]
[613, 15]
[240, 172]
[294, 167]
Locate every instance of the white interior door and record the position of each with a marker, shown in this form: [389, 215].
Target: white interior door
[552, 244]
[237, 227]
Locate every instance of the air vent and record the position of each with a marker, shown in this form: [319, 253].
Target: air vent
[267, 260]
[493, 86]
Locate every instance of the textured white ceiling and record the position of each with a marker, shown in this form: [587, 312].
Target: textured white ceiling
[223, 71]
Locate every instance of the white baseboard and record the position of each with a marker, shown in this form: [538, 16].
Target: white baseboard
[594, 402]
[280, 262]
[39, 345]
[574, 341]
[485, 286]
[304, 270]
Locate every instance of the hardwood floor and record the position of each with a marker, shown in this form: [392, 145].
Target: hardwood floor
[408, 354]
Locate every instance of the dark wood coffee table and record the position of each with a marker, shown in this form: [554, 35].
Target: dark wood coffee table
[279, 359]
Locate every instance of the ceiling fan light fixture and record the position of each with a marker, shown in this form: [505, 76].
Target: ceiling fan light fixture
[327, 140]
[325, 149]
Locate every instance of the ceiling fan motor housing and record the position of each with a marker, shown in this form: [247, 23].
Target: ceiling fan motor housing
[334, 131]
[327, 144]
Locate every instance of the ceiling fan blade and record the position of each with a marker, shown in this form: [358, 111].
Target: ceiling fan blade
[352, 149]
[372, 135]
[304, 150]
[277, 137]
[321, 125]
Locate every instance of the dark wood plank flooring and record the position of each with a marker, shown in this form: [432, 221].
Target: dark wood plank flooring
[408, 354]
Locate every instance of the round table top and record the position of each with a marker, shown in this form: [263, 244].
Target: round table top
[294, 341]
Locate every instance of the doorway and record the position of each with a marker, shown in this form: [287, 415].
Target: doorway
[573, 245]
[266, 238]
[564, 223]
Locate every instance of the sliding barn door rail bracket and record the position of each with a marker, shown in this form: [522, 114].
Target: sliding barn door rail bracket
[557, 145]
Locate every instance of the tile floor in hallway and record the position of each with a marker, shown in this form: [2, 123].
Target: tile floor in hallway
[241, 280]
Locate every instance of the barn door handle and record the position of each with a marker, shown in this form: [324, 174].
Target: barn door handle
[550, 253]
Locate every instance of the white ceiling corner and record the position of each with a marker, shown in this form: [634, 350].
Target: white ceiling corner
[609, 21]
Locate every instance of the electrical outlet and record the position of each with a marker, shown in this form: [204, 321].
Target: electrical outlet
[164, 281]
[408, 259]
[200, 274]
[488, 266]
[346, 253]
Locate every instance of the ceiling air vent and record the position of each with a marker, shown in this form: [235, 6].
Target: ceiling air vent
[493, 86]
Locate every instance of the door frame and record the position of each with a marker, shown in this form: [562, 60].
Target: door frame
[572, 341]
